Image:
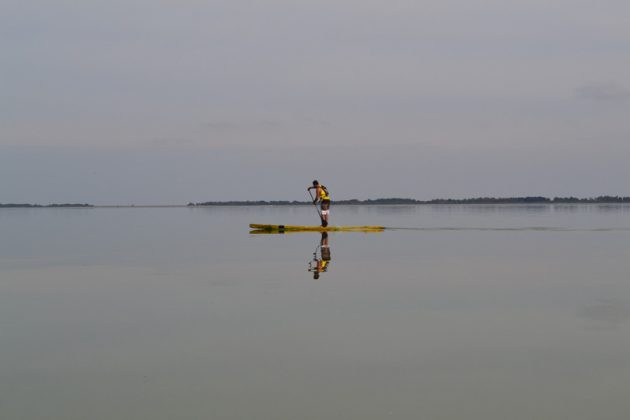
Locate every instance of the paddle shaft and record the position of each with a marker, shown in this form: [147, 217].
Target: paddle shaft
[314, 204]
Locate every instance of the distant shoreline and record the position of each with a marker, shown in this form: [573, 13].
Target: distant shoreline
[410, 201]
[607, 199]
[28, 206]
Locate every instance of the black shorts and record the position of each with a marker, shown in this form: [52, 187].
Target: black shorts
[325, 204]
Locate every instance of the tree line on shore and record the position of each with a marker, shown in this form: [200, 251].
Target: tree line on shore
[478, 200]
[610, 199]
[26, 205]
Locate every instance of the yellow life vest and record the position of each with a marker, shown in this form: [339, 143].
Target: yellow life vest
[323, 195]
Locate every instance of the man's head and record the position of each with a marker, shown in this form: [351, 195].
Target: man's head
[315, 183]
[315, 275]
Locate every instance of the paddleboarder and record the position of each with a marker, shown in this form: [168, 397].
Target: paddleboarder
[323, 198]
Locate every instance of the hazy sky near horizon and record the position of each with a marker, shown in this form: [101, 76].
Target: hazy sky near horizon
[153, 101]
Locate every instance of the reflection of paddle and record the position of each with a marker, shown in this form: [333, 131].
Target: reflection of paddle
[316, 209]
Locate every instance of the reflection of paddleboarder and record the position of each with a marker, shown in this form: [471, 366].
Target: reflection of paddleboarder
[320, 262]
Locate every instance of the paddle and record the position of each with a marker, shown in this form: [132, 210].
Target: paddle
[316, 209]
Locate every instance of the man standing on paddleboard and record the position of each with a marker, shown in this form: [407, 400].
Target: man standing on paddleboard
[322, 197]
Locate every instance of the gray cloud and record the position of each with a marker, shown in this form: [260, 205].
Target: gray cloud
[226, 126]
[603, 92]
[172, 141]
[608, 313]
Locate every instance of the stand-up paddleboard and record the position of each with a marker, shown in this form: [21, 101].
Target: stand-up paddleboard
[288, 228]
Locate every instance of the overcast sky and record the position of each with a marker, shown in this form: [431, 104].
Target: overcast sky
[151, 101]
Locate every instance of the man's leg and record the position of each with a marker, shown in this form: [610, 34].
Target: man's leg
[325, 212]
[324, 218]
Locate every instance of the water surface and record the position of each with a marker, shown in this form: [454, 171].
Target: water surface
[478, 312]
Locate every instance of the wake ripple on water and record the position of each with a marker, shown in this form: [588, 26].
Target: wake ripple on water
[512, 229]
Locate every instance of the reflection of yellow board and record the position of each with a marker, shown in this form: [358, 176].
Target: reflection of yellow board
[287, 228]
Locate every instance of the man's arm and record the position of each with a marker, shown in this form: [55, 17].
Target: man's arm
[316, 195]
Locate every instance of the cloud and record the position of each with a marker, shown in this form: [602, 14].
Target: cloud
[173, 141]
[606, 312]
[221, 126]
[230, 126]
[603, 91]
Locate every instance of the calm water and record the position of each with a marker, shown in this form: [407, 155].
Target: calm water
[483, 312]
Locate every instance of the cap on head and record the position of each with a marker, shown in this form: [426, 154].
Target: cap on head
[315, 182]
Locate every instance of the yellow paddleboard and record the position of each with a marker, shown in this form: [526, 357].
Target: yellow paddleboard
[289, 228]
